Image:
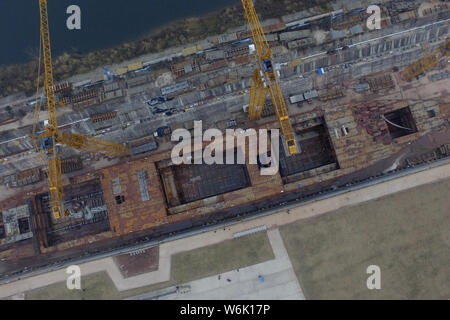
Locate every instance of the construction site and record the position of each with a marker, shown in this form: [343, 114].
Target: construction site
[361, 103]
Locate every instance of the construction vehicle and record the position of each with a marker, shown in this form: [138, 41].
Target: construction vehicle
[108, 74]
[162, 131]
[50, 140]
[265, 80]
[426, 62]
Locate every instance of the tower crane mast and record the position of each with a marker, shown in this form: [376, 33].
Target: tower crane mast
[265, 80]
[50, 149]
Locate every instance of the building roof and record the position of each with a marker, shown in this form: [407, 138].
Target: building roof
[215, 55]
[175, 87]
[338, 34]
[310, 94]
[292, 35]
[356, 29]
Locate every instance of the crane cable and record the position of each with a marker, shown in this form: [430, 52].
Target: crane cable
[38, 106]
[395, 125]
[37, 109]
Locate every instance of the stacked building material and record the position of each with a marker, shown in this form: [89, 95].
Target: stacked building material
[381, 82]
[103, 116]
[24, 178]
[71, 164]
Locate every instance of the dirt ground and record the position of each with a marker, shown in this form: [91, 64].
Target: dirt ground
[136, 263]
[405, 234]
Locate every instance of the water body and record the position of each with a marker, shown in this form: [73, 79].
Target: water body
[104, 23]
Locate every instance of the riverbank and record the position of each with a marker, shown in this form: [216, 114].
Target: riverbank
[22, 77]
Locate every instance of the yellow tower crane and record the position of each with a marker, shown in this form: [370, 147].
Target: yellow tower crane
[426, 62]
[265, 80]
[50, 148]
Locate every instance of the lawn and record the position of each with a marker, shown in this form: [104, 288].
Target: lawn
[406, 234]
[226, 256]
[186, 266]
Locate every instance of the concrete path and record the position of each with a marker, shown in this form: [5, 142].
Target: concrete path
[280, 281]
[212, 237]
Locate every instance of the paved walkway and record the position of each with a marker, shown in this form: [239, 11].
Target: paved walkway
[280, 281]
[208, 238]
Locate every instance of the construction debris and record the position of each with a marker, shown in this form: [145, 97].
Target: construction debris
[440, 76]
[15, 225]
[23, 178]
[381, 82]
[331, 93]
[71, 164]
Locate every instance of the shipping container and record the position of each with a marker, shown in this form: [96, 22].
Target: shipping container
[293, 35]
[296, 98]
[310, 94]
[149, 146]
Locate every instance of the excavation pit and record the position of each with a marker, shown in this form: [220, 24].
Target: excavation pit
[88, 214]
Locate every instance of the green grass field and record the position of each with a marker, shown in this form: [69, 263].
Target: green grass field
[186, 266]
[229, 255]
[406, 234]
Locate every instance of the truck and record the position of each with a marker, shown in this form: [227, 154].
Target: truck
[158, 100]
[162, 131]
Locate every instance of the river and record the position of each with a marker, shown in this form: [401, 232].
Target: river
[104, 23]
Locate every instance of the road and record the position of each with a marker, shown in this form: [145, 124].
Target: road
[279, 281]
[140, 99]
[214, 234]
[378, 38]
